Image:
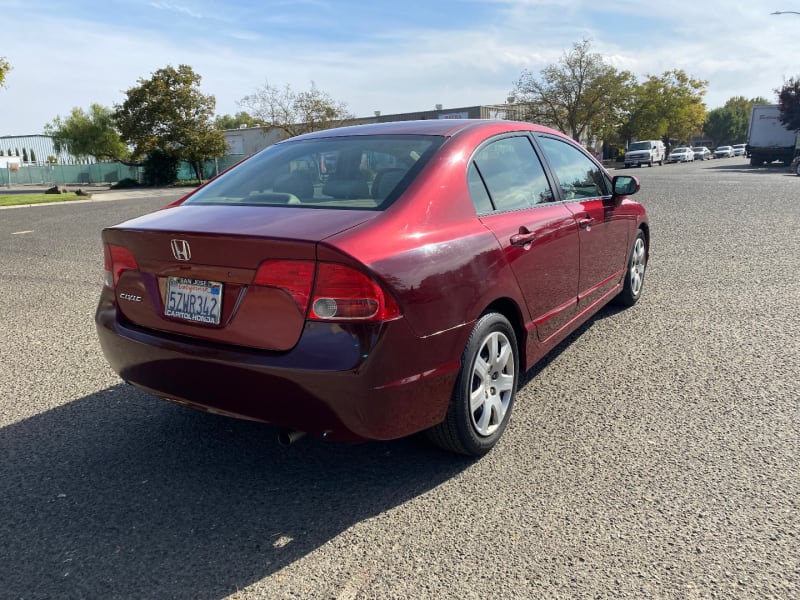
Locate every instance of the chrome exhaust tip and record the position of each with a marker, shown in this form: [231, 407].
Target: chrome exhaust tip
[286, 437]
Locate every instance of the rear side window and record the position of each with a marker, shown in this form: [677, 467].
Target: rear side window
[356, 172]
[578, 176]
[507, 175]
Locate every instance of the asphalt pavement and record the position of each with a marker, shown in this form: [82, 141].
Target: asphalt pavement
[654, 454]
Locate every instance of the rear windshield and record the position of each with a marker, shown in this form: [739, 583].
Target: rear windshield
[356, 172]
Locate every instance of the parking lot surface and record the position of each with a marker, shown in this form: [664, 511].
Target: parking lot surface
[654, 454]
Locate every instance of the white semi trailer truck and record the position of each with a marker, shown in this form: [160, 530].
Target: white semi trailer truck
[769, 140]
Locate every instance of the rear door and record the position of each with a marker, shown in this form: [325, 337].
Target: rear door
[514, 199]
[603, 228]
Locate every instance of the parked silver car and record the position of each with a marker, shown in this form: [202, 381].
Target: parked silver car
[796, 165]
[739, 149]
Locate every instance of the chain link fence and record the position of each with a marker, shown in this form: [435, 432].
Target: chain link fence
[102, 173]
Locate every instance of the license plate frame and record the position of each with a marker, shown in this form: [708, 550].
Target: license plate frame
[194, 300]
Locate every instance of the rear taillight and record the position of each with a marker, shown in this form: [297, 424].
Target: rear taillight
[117, 260]
[337, 293]
[342, 293]
[294, 276]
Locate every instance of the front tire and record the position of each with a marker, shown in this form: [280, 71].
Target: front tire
[634, 277]
[483, 398]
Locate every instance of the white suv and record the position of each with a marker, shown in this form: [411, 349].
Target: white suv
[645, 152]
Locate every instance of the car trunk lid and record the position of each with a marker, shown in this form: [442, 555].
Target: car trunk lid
[190, 270]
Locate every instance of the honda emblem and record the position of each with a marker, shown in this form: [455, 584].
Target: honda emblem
[181, 250]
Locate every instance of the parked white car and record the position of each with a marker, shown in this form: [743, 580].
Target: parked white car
[682, 154]
[739, 149]
[701, 153]
[724, 152]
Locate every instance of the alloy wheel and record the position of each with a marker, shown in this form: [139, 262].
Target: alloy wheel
[492, 383]
[638, 264]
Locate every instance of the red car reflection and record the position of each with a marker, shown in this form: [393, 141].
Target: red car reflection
[370, 282]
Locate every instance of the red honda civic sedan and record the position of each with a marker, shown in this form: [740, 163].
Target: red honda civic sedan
[373, 281]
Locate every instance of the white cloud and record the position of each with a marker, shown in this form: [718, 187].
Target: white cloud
[61, 61]
[184, 10]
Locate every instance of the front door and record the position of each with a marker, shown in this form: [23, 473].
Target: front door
[603, 231]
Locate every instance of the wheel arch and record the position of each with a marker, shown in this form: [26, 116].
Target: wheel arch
[511, 311]
[645, 229]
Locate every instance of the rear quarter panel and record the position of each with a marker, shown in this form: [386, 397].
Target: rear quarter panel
[442, 265]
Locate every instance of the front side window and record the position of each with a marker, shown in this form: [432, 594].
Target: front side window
[507, 175]
[578, 176]
[357, 172]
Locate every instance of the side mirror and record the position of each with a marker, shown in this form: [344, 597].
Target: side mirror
[624, 185]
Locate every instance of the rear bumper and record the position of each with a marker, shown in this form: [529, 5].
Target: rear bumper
[343, 382]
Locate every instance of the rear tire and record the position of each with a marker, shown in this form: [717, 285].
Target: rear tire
[484, 394]
[634, 277]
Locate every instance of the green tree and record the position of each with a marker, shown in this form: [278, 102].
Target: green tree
[789, 104]
[667, 106]
[33, 156]
[235, 121]
[730, 123]
[295, 112]
[85, 134]
[160, 168]
[4, 69]
[24, 155]
[168, 114]
[580, 95]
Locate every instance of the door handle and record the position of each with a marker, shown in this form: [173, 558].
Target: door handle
[586, 223]
[523, 238]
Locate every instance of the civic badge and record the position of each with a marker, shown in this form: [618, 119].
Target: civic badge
[181, 250]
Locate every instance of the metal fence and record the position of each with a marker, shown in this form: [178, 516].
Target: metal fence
[101, 173]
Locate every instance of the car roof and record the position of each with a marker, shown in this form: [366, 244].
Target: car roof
[442, 127]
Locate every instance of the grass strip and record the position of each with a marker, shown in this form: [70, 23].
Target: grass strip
[20, 199]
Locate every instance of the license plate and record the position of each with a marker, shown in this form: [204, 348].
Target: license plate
[195, 300]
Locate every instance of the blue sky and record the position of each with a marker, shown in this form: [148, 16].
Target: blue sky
[388, 56]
